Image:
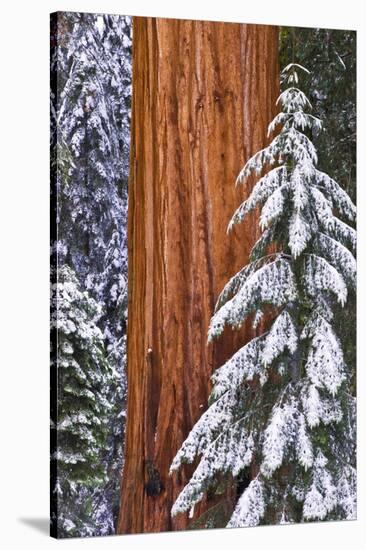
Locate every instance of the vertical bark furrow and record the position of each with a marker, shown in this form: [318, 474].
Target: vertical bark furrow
[197, 115]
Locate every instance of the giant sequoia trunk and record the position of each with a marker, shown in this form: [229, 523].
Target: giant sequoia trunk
[203, 95]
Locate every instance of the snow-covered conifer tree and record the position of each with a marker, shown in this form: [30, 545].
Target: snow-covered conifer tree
[90, 116]
[83, 378]
[281, 410]
[93, 120]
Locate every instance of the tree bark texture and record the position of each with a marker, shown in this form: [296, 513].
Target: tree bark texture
[203, 95]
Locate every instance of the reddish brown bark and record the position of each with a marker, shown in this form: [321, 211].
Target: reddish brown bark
[203, 95]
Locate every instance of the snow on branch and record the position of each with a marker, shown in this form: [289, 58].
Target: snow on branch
[319, 276]
[232, 450]
[282, 335]
[291, 66]
[251, 506]
[299, 234]
[298, 119]
[338, 256]
[243, 365]
[257, 162]
[325, 364]
[252, 359]
[263, 189]
[319, 409]
[211, 423]
[344, 234]
[337, 195]
[292, 100]
[274, 206]
[347, 492]
[321, 499]
[272, 284]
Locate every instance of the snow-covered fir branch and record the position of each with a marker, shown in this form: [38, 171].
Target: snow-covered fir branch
[281, 406]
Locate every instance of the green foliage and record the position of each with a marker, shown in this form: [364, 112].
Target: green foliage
[83, 378]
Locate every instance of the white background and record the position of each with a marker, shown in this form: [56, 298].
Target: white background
[24, 199]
